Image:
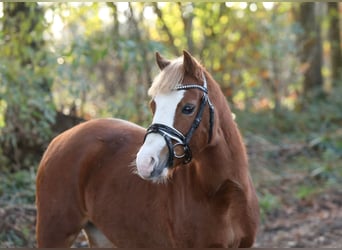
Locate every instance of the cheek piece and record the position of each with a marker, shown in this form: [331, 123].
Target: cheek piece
[174, 138]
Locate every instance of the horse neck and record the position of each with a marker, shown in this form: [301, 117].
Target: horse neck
[225, 157]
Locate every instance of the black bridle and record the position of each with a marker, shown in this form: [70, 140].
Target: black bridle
[171, 134]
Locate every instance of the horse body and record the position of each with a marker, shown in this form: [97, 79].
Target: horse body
[71, 173]
[85, 181]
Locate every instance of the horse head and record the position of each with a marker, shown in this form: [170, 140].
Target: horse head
[183, 118]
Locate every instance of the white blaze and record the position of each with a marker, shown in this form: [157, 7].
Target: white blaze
[149, 156]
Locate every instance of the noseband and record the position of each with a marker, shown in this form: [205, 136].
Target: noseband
[171, 134]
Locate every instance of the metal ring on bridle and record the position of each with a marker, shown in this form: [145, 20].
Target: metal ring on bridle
[175, 153]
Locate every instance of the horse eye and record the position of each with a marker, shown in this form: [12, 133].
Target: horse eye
[188, 109]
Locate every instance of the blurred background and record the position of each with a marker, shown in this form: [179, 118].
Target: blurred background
[278, 64]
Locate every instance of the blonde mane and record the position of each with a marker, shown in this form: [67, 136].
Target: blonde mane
[171, 76]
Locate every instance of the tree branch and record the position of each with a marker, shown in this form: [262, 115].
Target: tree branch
[165, 28]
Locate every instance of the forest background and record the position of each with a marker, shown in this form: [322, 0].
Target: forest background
[279, 65]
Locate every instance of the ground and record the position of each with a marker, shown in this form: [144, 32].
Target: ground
[311, 223]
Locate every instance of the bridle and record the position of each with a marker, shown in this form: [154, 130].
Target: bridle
[171, 134]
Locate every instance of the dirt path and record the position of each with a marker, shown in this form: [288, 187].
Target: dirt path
[316, 222]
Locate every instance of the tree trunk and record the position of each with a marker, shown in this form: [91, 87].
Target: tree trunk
[335, 41]
[311, 49]
[117, 66]
[187, 18]
[143, 68]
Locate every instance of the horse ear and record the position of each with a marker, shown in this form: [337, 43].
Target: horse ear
[161, 61]
[189, 63]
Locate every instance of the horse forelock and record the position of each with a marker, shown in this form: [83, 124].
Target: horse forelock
[173, 75]
[168, 78]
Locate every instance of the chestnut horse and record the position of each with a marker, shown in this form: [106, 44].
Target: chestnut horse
[183, 182]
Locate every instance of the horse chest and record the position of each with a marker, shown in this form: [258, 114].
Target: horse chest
[196, 222]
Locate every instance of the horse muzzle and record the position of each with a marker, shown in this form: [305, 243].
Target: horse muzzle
[152, 159]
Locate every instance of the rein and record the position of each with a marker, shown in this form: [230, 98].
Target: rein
[171, 134]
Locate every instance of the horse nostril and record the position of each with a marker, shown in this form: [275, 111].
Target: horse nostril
[152, 161]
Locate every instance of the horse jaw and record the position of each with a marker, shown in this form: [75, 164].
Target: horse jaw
[151, 161]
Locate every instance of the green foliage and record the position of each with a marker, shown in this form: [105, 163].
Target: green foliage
[268, 203]
[26, 100]
[2, 112]
[17, 197]
[319, 122]
[122, 107]
[27, 110]
[301, 146]
[12, 237]
[304, 191]
[18, 187]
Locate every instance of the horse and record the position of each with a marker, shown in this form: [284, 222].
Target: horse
[182, 182]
